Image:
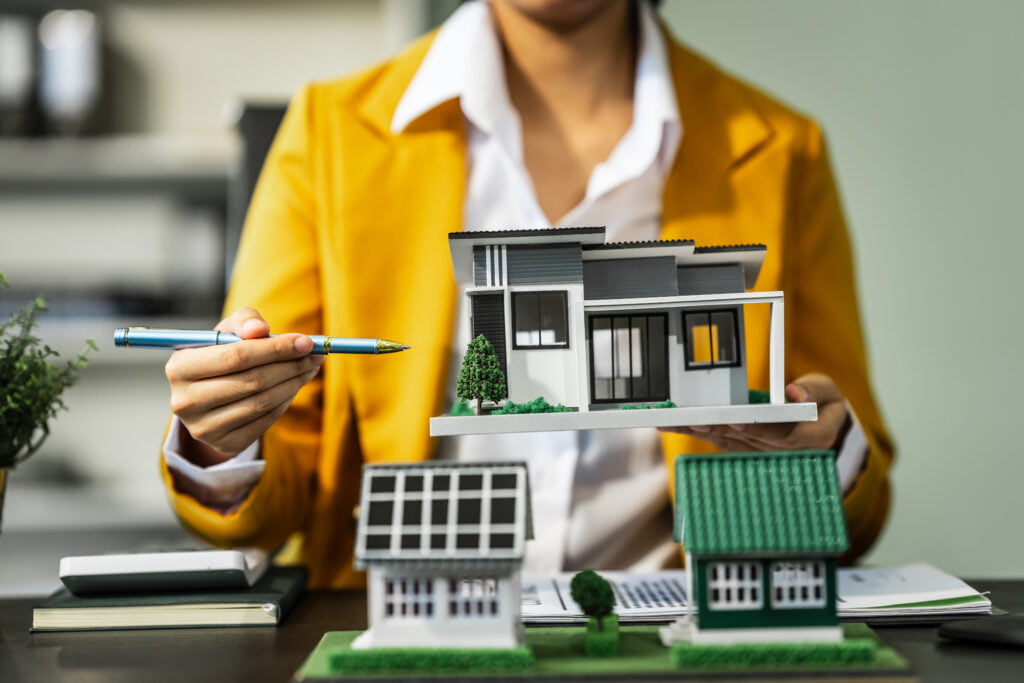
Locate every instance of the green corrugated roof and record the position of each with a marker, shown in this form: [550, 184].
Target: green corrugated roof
[760, 504]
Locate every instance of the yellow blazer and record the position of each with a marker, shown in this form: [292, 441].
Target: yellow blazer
[347, 235]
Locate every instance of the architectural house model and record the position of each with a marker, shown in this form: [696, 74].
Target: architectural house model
[599, 326]
[443, 543]
[762, 533]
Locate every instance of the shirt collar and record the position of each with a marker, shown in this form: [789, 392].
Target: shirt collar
[465, 62]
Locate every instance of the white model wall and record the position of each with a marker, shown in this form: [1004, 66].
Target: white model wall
[550, 373]
[921, 102]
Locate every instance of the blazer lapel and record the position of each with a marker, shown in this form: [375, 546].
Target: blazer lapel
[722, 132]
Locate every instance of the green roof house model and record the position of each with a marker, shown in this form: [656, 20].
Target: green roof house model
[762, 533]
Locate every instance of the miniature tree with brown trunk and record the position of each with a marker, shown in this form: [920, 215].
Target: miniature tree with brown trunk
[480, 378]
[593, 594]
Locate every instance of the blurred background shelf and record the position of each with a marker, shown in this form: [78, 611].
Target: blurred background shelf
[190, 168]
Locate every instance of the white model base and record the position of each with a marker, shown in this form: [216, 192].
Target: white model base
[683, 630]
[427, 636]
[624, 419]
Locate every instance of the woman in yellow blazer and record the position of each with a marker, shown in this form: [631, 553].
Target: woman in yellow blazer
[346, 234]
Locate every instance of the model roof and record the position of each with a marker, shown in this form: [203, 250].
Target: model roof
[443, 514]
[765, 504]
[592, 242]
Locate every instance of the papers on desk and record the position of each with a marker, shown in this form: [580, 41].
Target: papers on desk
[910, 593]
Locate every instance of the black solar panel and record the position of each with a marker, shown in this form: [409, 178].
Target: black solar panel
[462, 512]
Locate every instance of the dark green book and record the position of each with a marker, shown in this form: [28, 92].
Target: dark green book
[264, 604]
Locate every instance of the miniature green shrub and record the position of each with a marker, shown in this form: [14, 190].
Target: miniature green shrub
[461, 409]
[758, 396]
[768, 655]
[604, 643]
[537, 405]
[429, 660]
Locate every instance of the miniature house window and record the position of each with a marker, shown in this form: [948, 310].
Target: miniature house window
[541, 319]
[734, 585]
[473, 597]
[408, 597]
[712, 339]
[798, 585]
[629, 358]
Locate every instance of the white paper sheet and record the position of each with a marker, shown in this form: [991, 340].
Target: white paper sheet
[913, 591]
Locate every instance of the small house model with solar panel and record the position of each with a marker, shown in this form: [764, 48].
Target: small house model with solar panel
[443, 543]
[762, 534]
[598, 326]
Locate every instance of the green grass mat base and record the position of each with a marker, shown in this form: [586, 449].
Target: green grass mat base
[559, 651]
[773, 655]
[417, 659]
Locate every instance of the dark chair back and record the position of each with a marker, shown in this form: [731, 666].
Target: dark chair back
[257, 125]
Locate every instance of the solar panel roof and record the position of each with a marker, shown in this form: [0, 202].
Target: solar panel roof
[443, 512]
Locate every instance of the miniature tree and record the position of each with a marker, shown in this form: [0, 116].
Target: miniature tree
[481, 378]
[593, 594]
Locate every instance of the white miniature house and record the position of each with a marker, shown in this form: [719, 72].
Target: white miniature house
[599, 326]
[442, 543]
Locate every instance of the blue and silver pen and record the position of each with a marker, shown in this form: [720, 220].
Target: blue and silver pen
[153, 338]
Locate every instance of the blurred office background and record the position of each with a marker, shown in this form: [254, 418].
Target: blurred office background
[119, 158]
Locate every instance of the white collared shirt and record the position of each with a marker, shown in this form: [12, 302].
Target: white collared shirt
[598, 498]
[590, 491]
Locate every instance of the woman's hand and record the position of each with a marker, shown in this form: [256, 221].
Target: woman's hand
[227, 396]
[784, 436]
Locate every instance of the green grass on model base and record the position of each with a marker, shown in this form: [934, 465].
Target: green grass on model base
[560, 651]
[756, 396]
[461, 408]
[773, 655]
[537, 405]
[649, 406]
[347, 660]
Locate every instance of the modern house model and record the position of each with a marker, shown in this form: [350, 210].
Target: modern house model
[762, 534]
[599, 326]
[443, 543]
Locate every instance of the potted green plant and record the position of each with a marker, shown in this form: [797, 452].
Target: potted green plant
[31, 386]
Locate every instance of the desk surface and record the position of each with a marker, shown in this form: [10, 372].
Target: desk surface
[274, 654]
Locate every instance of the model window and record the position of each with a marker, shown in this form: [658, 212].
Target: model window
[798, 584]
[408, 597]
[629, 358]
[473, 597]
[712, 339]
[541, 319]
[734, 585]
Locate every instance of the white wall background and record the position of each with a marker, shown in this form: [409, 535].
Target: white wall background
[922, 102]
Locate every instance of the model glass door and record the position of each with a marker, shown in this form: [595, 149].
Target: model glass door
[628, 358]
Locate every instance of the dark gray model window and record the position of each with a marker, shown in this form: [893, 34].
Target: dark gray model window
[712, 339]
[541, 320]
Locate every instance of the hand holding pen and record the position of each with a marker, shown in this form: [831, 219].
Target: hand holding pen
[228, 395]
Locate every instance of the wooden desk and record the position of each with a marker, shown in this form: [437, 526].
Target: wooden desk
[274, 654]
